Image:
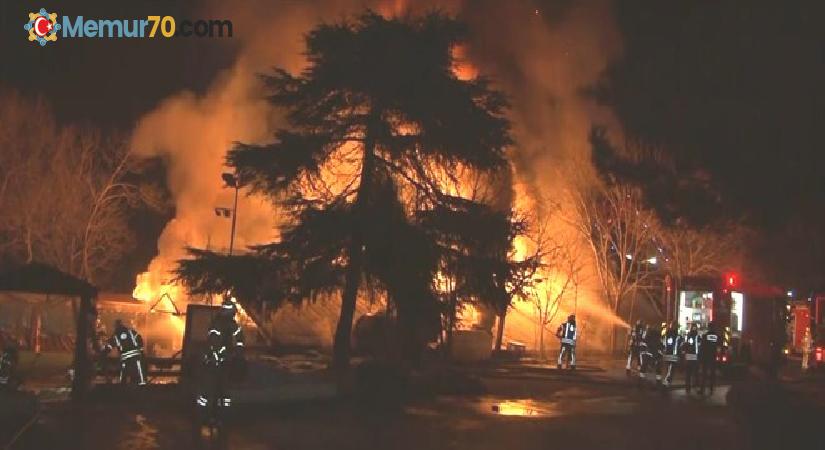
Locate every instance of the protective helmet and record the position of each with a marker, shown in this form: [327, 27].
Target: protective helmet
[228, 306]
[213, 339]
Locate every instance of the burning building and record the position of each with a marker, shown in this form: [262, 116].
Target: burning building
[551, 54]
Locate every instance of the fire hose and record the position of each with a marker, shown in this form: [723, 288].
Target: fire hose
[22, 430]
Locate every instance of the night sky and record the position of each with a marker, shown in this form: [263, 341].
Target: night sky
[736, 89]
[732, 88]
[94, 80]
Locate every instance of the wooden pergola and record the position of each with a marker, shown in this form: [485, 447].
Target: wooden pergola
[46, 280]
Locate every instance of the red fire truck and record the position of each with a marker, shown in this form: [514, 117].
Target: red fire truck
[749, 317]
[809, 314]
[818, 325]
[800, 321]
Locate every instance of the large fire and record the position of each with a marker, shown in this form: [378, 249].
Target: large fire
[148, 288]
[542, 65]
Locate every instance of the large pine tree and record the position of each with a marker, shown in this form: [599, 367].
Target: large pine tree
[375, 120]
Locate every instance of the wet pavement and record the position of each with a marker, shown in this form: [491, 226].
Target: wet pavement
[530, 410]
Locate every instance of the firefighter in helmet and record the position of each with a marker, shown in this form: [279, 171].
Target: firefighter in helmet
[633, 343]
[671, 346]
[129, 344]
[8, 366]
[690, 350]
[225, 346]
[708, 349]
[807, 343]
[651, 354]
[567, 334]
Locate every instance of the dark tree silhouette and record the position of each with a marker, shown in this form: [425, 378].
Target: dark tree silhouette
[676, 193]
[475, 248]
[377, 113]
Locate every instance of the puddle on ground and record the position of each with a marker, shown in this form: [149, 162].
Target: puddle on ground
[718, 398]
[521, 408]
[142, 437]
[537, 408]
[526, 407]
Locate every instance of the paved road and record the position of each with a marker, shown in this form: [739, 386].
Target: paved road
[521, 409]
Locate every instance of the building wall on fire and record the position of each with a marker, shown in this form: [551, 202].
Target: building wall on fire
[313, 324]
[162, 332]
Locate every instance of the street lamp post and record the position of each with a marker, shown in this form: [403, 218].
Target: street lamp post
[231, 180]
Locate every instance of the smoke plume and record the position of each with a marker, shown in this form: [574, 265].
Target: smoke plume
[541, 53]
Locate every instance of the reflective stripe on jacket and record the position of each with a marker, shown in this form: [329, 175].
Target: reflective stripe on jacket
[568, 333]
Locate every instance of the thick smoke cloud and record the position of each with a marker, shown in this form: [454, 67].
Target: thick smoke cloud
[542, 54]
[545, 55]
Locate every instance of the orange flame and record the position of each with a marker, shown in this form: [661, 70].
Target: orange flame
[149, 288]
[463, 68]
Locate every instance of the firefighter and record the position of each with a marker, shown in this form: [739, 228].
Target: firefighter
[690, 350]
[213, 382]
[650, 354]
[129, 344]
[708, 348]
[101, 349]
[671, 346]
[567, 334]
[807, 343]
[634, 343]
[642, 347]
[226, 343]
[8, 368]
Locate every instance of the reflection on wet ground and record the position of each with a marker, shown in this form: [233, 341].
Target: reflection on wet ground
[520, 414]
[567, 402]
[142, 434]
[557, 407]
[522, 408]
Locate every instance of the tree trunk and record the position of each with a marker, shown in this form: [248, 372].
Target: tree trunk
[343, 331]
[82, 365]
[542, 349]
[29, 246]
[614, 335]
[500, 331]
[451, 322]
